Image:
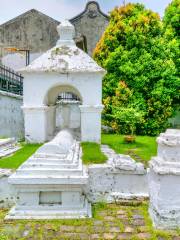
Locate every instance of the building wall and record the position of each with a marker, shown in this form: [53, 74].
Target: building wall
[37, 32]
[32, 30]
[91, 24]
[11, 116]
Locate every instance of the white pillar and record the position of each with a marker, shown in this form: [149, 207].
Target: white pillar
[51, 122]
[164, 182]
[36, 124]
[91, 123]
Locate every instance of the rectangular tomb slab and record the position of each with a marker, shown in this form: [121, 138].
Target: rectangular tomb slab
[51, 191]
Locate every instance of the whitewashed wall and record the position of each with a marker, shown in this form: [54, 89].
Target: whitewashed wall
[17, 61]
[11, 115]
[68, 116]
[7, 193]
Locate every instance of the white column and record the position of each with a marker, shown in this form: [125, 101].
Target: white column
[164, 181]
[36, 124]
[51, 122]
[91, 123]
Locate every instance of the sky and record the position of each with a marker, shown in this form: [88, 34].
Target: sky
[66, 9]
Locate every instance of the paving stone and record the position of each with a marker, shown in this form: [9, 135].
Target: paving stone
[65, 228]
[143, 229]
[121, 212]
[102, 213]
[137, 216]
[109, 236]
[124, 236]
[25, 233]
[95, 237]
[81, 229]
[98, 223]
[98, 229]
[109, 218]
[176, 238]
[75, 236]
[144, 236]
[114, 229]
[129, 229]
[138, 222]
[112, 224]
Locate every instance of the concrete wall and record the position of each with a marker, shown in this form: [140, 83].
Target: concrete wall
[32, 30]
[91, 24]
[17, 61]
[11, 115]
[7, 193]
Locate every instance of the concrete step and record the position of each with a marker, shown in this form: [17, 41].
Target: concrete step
[24, 170]
[50, 165]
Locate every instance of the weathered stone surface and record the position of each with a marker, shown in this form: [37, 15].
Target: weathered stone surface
[164, 177]
[11, 115]
[90, 25]
[37, 32]
[120, 178]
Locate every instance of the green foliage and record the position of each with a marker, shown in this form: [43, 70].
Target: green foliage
[134, 50]
[171, 23]
[19, 157]
[142, 150]
[92, 153]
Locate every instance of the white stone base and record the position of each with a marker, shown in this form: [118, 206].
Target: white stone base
[164, 193]
[48, 213]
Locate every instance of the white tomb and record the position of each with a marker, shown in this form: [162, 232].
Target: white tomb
[164, 181]
[50, 184]
[64, 68]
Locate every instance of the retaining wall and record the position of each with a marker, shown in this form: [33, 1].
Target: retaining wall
[11, 115]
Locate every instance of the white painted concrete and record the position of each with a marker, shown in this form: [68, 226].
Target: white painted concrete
[7, 193]
[64, 68]
[17, 61]
[50, 184]
[120, 178]
[11, 116]
[164, 180]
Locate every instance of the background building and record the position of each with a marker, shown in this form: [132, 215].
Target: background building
[27, 36]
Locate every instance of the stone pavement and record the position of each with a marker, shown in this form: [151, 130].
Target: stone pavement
[127, 220]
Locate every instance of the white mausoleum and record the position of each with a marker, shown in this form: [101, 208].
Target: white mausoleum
[64, 68]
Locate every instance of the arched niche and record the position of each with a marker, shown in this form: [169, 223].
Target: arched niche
[63, 112]
[53, 93]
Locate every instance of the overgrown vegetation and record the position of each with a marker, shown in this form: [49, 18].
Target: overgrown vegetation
[14, 161]
[142, 150]
[140, 90]
[92, 153]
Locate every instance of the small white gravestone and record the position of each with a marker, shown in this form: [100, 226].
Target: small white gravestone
[164, 181]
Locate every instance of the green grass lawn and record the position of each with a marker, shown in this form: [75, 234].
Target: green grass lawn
[142, 150]
[92, 153]
[14, 161]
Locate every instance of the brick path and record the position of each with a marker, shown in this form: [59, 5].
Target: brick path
[122, 221]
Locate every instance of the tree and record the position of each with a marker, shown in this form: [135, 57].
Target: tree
[134, 50]
[171, 22]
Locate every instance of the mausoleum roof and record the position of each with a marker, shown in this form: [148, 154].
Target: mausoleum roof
[65, 57]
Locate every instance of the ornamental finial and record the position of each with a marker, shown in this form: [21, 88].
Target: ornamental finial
[66, 32]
